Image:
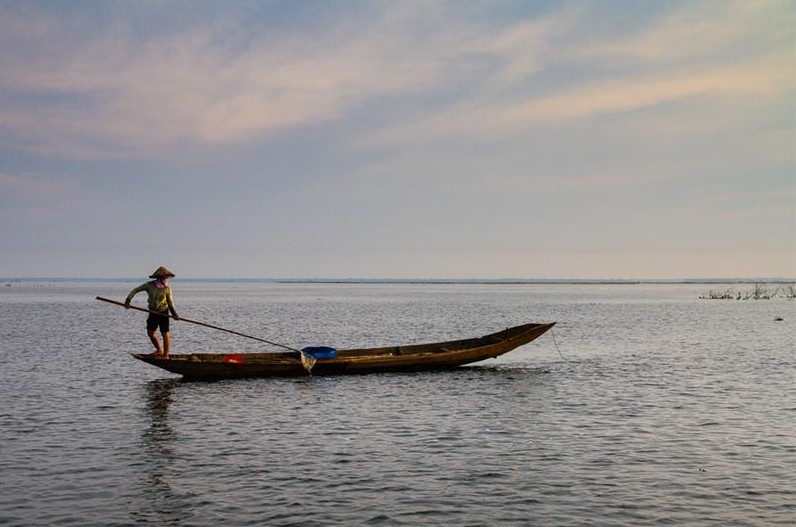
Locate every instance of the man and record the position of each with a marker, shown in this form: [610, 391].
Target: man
[160, 302]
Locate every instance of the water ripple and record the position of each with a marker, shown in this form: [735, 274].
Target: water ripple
[666, 411]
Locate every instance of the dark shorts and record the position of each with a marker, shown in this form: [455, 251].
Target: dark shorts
[154, 322]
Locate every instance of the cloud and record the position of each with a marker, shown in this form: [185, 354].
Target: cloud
[514, 54]
[764, 81]
[215, 83]
[736, 57]
[699, 31]
[637, 92]
[72, 88]
[15, 185]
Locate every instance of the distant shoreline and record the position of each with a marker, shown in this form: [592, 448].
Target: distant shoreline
[419, 281]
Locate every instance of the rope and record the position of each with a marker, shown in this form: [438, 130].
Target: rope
[552, 334]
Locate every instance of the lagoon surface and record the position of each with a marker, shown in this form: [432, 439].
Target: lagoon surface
[645, 406]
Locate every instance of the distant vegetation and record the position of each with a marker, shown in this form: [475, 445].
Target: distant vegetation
[759, 292]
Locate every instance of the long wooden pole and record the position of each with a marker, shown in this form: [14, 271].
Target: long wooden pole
[201, 324]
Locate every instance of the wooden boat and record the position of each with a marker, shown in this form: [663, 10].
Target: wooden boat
[413, 357]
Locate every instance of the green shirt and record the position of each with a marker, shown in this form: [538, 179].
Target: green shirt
[160, 300]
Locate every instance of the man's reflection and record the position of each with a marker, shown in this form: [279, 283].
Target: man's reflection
[161, 505]
[159, 397]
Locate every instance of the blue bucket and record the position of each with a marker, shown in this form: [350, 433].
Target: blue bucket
[320, 352]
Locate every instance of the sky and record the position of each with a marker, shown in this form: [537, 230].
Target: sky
[413, 139]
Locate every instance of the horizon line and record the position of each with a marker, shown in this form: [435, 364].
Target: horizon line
[406, 280]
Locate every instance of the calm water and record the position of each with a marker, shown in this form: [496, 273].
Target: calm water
[668, 410]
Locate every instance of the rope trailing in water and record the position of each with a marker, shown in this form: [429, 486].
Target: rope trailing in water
[552, 334]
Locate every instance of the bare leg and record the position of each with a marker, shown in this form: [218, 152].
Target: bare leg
[154, 338]
[166, 344]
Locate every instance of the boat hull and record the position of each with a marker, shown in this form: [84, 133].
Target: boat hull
[414, 357]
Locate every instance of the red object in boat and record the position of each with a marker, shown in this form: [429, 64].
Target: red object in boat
[234, 359]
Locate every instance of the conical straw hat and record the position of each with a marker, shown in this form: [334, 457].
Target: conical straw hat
[162, 272]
